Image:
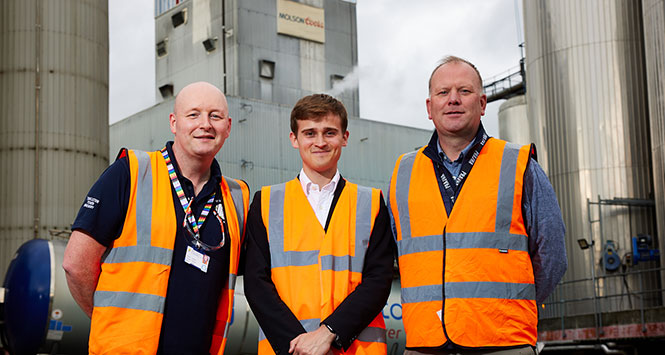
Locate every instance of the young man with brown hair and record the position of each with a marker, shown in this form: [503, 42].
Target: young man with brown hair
[319, 249]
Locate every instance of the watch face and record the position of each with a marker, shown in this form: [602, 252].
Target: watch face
[336, 343]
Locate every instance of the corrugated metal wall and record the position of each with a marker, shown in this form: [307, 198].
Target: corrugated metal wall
[654, 52]
[588, 112]
[259, 151]
[54, 114]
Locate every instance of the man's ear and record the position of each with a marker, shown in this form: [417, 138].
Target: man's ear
[172, 122]
[294, 140]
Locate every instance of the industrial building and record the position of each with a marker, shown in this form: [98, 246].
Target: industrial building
[265, 69]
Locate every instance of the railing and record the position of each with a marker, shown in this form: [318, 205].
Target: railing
[648, 296]
[505, 85]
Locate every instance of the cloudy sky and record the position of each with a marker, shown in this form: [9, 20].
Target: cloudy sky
[399, 43]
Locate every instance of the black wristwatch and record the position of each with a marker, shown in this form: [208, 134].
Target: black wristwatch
[335, 343]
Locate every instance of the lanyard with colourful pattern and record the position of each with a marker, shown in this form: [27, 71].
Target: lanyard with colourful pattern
[186, 205]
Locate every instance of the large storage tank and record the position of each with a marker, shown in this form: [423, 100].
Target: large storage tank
[654, 55]
[53, 114]
[513, 121]
[588, 112]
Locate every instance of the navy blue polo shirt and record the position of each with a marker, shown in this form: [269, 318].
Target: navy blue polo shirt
[192, 295]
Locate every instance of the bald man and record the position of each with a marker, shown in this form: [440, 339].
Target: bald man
[153, 253]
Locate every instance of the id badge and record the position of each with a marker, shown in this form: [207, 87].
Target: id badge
[197, 259]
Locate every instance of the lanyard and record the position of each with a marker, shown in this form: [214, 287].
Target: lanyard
[186, 205]
[466, 168]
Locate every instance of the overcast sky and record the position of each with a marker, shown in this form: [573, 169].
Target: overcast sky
[399, 43]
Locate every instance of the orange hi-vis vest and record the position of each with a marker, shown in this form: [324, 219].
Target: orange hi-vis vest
[315, 270]
[130, 294]
[466, 278]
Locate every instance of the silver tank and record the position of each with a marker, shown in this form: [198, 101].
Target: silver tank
[588, 115]
[653, 12]
[53, 114]
[513, 122]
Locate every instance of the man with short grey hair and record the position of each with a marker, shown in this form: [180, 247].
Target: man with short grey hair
[479, 232]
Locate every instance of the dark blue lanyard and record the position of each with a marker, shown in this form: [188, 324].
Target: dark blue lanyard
[446, 177]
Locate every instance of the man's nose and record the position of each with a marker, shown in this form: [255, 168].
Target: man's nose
[454, 97]
[205, 121]
[319, 140]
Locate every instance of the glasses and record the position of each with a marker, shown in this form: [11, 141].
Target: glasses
[195, 238]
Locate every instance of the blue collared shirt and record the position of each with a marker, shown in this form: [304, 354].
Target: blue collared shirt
[454, 167]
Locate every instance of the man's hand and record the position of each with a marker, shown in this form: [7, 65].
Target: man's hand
[313, 343]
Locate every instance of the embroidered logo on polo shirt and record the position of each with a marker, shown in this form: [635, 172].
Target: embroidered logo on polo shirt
[90, 202]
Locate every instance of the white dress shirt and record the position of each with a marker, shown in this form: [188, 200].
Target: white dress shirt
[319, 198]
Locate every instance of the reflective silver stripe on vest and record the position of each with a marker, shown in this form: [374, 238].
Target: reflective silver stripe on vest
[139, 301]
[475, 240]
[502, 290]
[372, 335]
[422, 294]
[402, 183]
[506, 194]
[281, 258]
[420, 244]
[310, 325]
[143, 253]
[278, 257]
[363, 227]
[143, 199]
[238, 202]
[480, 240]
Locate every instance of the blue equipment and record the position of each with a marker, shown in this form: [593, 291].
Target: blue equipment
[642, 249]
[610, 258]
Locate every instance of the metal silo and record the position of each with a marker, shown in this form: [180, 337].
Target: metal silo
[654, 54]
[54, 114]
[588, 112]
[513, 122]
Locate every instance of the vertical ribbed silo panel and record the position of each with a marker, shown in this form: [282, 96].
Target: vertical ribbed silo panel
[587, 100]
[72, 130]
[16, 129]
[653, 12]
